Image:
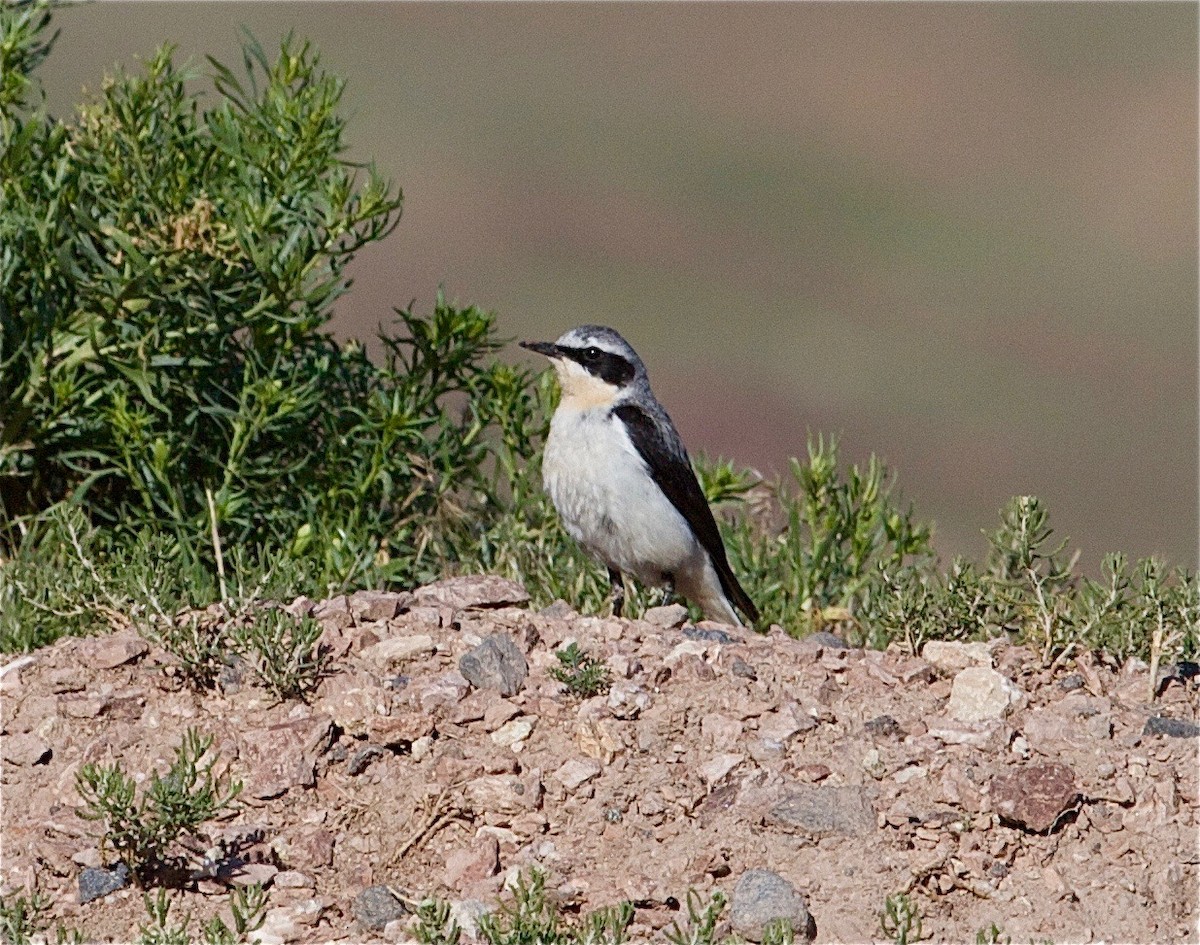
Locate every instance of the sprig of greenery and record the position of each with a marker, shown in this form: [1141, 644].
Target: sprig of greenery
[143, 831]
[583, 675]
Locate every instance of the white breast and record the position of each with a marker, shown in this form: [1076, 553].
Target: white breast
[607, 500]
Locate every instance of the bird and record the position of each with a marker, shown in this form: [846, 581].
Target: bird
[620, 478]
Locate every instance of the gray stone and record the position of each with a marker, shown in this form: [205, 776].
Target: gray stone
[883, 726]
[709, 635]
[822, 809]
[829, 640]
[24, 748]
[496, 663]
[742, 668]
[375, 907]
[763, 897]
[1172, 728]
[95, 882]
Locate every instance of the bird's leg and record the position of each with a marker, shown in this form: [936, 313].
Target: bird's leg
[668, 590]
[618, 591]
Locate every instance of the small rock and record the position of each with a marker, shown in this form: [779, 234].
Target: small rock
[669, 617]
[502, 796]
[467, 914]
[1071, 683]
[496, 663]
[116, 650]
[479, 861]
[513, 733]
[883, 726]
[717, 767]
[24, 749]
[254, 874]
[362, 760]
[405, 727]
[627, 700]
[393, 650]
[819, 810]
[334, 614]
[743, 669]
[471, 590]
[94, 883]
[952, 657]
[294, 879]
[577, 771]
[1034, 797]
[827, 640]
[373, 606]
[1172, 728]
[979, 694]
[444, 690]
[498, 711]
[763, 897]
[375, 907]
[281, 757]
[709, 635]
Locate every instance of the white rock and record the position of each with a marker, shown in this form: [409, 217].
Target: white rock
[950, 657]
[980, 694]
[577, 771]
[398, 649]
[718, 766]
[511, 734]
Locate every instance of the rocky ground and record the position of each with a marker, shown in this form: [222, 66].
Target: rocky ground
[440, 756]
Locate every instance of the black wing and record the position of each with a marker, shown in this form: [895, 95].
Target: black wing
[672, 472]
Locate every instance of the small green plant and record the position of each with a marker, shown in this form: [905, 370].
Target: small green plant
[434, 924]
[583, 675]
[282, 650]
[247, 904]
[532, 919]
[992, 935]
[900, 919]
[143, 831]
[700, 927]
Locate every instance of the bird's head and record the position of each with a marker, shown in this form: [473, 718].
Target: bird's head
[594, 365]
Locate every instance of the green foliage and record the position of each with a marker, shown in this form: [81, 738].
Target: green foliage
[434, 925]
[281, 649]
[143, 831]
[900, 919]
[837, 535]
[247, 904]
[23, 921]
[166, 277]
[583, 675]
[532, 919]
[700, 927]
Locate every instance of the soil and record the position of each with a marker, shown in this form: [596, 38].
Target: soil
[991, 788]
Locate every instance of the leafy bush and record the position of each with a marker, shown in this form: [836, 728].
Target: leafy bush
[583, 675]
[143, 831]
[166, 279]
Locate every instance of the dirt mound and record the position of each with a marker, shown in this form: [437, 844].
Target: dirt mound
[1052, 804]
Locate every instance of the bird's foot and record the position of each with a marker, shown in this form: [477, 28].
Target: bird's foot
[617, 596]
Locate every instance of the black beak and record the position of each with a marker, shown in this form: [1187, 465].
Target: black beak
[548, 348]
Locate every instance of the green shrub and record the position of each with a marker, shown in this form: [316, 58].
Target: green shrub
[143, 830]
[583, 675]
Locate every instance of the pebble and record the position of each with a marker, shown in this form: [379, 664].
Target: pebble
[668, 618]
[822, 809]
[1172, 728]
[496, 663]
[953, 657]
[577, 771]
[763, 897]
[979, 694]
[372, 606]
[512, 734]
[94, 882]
[469, 591]
[375, 907]
[387, 653]
[1034, 797]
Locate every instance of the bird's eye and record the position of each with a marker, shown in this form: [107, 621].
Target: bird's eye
[592, 354]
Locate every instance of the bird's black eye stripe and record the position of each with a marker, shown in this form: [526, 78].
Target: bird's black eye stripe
[609, 367]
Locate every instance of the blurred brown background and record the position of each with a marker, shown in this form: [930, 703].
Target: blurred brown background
[962, 236]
